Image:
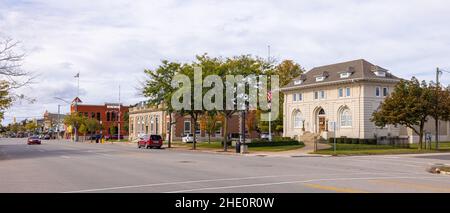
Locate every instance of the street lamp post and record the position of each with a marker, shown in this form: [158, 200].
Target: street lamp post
[59, 112]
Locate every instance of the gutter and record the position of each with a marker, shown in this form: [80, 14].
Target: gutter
[284, 89]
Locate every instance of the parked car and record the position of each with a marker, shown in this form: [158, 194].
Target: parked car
[33, 140]
[95, 137]
[150, 141]
[265, 136]
[46, 137]
[188, 138]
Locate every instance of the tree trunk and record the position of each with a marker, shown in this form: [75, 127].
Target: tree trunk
[169, 139]
[209, 138]
[421, 135]
[225, 135]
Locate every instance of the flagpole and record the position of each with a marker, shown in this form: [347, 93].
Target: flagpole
[76, 104]
[270, 113]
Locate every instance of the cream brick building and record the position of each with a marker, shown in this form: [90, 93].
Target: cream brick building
[346, 94]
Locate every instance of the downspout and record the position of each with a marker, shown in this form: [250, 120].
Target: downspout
[359, 106]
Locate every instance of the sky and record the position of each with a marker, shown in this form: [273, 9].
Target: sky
[110, 43]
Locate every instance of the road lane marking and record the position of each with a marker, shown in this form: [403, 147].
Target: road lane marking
[333, 188]
[205, 181]
[64, 156]
[417, 186]
[299, 181]
[211, 180]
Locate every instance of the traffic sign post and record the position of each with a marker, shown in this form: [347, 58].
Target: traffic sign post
[333, 126]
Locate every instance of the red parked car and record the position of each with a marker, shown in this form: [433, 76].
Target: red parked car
[150, 141]
[33, 140]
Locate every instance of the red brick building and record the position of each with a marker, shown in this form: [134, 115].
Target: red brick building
[107, 114]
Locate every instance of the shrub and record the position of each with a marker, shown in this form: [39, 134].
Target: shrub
[355, 141]
[347, 140]
[372, 141]
[274, 143]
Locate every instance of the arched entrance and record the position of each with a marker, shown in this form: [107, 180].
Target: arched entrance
[320, 120]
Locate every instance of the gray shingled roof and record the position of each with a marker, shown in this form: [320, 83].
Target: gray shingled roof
[360, 69]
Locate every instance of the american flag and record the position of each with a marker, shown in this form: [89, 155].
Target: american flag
[269, 96]
[269, 99]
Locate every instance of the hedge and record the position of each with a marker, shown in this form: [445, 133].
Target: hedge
[277, 142]
[344, 140]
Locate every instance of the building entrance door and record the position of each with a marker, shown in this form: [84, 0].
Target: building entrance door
[321, 124]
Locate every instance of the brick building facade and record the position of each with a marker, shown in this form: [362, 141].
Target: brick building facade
[107, 114]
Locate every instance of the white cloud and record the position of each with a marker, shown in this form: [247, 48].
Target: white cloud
[111, 43]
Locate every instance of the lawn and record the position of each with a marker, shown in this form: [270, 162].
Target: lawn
[364, 149]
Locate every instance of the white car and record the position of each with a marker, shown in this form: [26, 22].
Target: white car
[265, 136]
[188, 138]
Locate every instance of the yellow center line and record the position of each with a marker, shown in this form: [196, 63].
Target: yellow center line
[332, 188]
[411, 185]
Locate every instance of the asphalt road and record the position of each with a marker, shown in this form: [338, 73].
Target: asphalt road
[57, 166]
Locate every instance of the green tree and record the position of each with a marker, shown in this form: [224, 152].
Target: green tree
[441, 108]
[211, 120]
[287, 71]
[158, 89]
[112, 129]
[74, 120]
[83, 129]
[92, 126]
[410, 104]
[126, 123]
[31, 127]
[5, 98]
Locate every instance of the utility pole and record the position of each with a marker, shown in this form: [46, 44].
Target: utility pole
[77, 76]
[118, 120]
[437, 105]
[57, 123]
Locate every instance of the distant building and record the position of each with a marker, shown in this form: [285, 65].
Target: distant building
[107, 114]
[52, 121]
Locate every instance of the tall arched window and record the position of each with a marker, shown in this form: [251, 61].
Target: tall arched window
[346, 118]
[297, 119]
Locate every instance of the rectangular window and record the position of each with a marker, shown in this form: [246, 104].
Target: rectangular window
[316, 95]
[385, 91]
[187, 127]
[377, 92]
[347, 91]
[340, 93]
[108, 116]
[322, 94]
[300, 97]
[98, 116]
[294, 97]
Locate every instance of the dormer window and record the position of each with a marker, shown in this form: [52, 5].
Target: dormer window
[320, 78]
[380, 73]
[345, 74]
[298, 82]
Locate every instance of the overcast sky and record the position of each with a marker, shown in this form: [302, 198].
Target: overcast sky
[110, 44]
